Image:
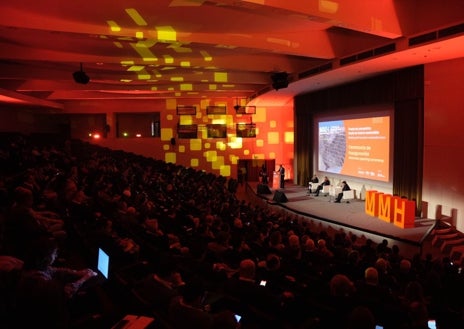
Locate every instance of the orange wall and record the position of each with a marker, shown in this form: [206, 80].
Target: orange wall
[274, 138]
[443, 175]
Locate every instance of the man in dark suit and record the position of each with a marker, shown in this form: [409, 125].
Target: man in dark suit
[281, 172]
[345, 187]
[312, 182]
[326, 181]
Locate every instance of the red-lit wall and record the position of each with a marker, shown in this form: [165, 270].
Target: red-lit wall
[443, 177]
[274, 136]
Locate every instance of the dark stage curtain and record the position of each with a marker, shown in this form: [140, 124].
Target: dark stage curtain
[404, 89]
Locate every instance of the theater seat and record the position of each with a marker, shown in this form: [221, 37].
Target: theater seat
[348, 195]
[325, 189]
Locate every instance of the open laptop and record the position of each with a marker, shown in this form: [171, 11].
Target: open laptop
[103, 263]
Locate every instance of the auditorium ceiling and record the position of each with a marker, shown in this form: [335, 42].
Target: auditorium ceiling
[217, 48]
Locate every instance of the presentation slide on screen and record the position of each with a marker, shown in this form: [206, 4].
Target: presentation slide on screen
[355, 147]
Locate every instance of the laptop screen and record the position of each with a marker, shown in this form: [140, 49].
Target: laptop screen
[103, 262]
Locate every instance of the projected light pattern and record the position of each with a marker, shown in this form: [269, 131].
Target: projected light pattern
[216, 147]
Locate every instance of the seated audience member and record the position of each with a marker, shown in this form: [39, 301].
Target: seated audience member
[345, 187]
[325, 182]
[361, 318]
[187, 310]
[255, 302]
[10, 270]
[378, 298]
[44, 292]
[312, 181]
[21, 226]
[336, 307]
[157, 290]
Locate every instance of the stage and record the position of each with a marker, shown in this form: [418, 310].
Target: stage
[350, 217]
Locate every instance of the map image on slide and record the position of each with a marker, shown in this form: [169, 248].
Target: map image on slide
[332, 146]
[355, 147]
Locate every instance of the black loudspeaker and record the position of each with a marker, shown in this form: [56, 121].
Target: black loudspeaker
[280, 197]
[279, 80]
[264, 189]
[81, 77]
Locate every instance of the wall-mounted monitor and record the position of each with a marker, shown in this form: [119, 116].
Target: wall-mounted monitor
[186, 110]
[216, 130]
[246, 130]
[216, 109]
[357, 146]
[245, 109]
[187, 131]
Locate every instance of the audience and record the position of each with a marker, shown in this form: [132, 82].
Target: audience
[190, 224]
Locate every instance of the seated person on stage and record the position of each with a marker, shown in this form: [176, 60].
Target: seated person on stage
[313, 180]
[345, 187]
[326, 181]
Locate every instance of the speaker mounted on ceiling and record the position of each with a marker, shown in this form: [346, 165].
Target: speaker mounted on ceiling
[81, 77]
[279, 80]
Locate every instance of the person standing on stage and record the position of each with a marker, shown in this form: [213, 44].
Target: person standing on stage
[281, 171]
[263, 175]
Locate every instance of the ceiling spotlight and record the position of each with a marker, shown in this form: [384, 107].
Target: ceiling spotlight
[81, 77]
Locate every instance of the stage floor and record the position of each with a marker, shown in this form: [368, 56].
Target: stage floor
[347, 215]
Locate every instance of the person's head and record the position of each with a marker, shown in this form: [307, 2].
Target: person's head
[272, 262]
[340, 285]
[309, 245]
[275, 238]
[405, 266]
[247, 269]
[381, 265]
[294, 241]
[23, 196]
[361, 317]
[371, 276]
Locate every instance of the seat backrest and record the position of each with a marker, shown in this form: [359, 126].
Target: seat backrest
[348, 195]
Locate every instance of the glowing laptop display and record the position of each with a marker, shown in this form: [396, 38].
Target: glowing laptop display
[103, 263]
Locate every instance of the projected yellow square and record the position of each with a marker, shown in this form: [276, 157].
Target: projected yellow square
[171, 104]
[218, 163]
[273, 138]
[211, 156]
[166, 134]
[170, 157]
[288, 137]
[225, 171]
[194, 163]
[195, 144]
